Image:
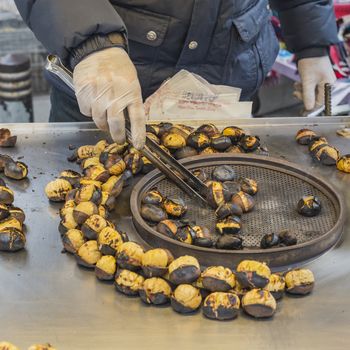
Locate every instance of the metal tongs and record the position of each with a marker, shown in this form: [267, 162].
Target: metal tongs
[168, 165]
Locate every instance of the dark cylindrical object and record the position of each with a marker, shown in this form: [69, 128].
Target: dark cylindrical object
[15, 89]
[328, 99]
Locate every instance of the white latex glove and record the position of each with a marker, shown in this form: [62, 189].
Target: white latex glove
[105, 84]
[314, 72]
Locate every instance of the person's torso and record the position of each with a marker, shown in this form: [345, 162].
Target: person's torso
[226, 41]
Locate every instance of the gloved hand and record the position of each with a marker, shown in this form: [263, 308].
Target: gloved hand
[314, 72]
[105, 84]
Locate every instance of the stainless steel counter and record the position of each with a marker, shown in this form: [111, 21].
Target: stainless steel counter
[46, 297]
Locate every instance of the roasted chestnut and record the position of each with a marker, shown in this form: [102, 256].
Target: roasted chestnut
[173, 141]
[259, 303]
[6, 139]
[175, 206]
[343, 163]
[229, 226]
[72, 240]
[159, 129]
[233, 187]
[235, 149]
[96, 173]
[4, 345]
[153, 137]
[113, 148]
[88, 162]
[85, 181]
[128, 282]
[253, 274]
[88, 193]
[109, 240]
[155, 291]
[221, 306]
[16, 170]
[175, 230]
[202, 237]
[209, 129]
[105, 268]
[229, 242]
[220, 142]
[83, 211]
[147, 165]
[86, 151]
[309, 206]
[100, 146]
[153, 213]
[129, 256]
[208, 150]
[184, 269]
[276, 286]
[249, 143]
[134, 162]
[186, 299]
[12, 239]
[299, 281]
[269, 240]
[55, 190]
[201, 174]
[181, 129]
[305, 136]
[4, 211]
[108, 201]
[88, 254]
[67, 207]
[93, 226]
[288, 238]
[228, 209]
[198, 140]
[234, 133]
[71, 176]
[155, 262]
[67, 221]
[327, 155]
[113, 186]
[217, 194]
[115, 164]
[224, 173]
[153, 197]
[244, 200]
[185, 152]
[218, 279]
[249, 186]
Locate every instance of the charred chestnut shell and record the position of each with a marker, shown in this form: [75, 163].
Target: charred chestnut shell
[202, 237]
[269, 240]
[88, 254]
[105, 268]
[155, 262]
[155, 291]
[217, 194]
[228, 209]
[299, 281]
[229, 226]
[259, 303]
[229, 242]
[343, 163]
[305, 136]
[249, 143]
[128, 282]
[249, 186]
[12, 239]
[221, 306]
[309, 206]
[234, 133]
[209, 129]
[253, 274]
[198, 140]
[129, 256]
[153, 213]
[224, 173]
[288, 238]
[220, 142]
[186, 299]
[244, 200]
[218, 279]
[184, 269]
[175, 206]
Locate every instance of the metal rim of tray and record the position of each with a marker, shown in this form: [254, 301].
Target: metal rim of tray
[276, 257]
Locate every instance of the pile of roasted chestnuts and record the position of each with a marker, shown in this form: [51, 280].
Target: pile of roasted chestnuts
[8, 346]
[12, 236]
[322, 151]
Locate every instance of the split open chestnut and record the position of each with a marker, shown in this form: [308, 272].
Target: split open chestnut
[184, 269]
[218, 279]
[253, 274]
[155, 291]
[155, 262]
[259, 303]
[221, 306]
[309, 206]
[299, 281]
[186, 299]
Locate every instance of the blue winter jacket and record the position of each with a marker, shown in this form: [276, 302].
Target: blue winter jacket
[226, 41]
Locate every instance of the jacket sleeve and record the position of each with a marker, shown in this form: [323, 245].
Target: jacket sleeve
[62, 25]
[308, 26]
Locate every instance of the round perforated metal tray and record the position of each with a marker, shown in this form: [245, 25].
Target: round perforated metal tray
[281, 185]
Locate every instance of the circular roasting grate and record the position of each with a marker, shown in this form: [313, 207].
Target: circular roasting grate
[281, 185]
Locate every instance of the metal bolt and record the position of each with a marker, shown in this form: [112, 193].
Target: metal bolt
[193, 45]
[152, 36]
